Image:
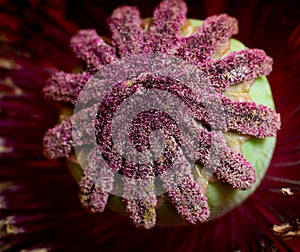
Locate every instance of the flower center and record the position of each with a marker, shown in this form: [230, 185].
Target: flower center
[179, 83]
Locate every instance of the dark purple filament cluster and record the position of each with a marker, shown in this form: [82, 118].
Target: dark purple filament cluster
[163, 36]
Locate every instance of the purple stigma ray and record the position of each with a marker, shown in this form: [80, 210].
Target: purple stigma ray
[237, 67]
[91, 197]
[229, 166]
[86, 187]
[91, 48]
[58, 141]
[239, 116]
[214, 31]
[244, 117]
[168, 18]
[186, 195]
[131, 170]
[250, 119]
[143, 126]
[65, 87]
[96, 183]
[66, 92]
[140, 201]
[125, 25]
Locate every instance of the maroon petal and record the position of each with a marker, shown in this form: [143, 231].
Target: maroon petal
[41, 196]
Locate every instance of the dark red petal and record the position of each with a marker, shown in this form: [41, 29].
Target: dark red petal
[55, 220]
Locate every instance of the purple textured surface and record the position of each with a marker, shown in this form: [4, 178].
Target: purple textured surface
[125, 25]
[96, 183]
[237, 67]
[187, 196]
[91, 48]
[215, 30]
[168, 17]
[65, 87]
[140, 201]
[208, 105]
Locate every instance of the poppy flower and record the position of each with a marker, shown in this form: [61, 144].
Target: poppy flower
[40, 210]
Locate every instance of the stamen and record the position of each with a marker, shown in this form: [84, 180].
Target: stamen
[125, 24]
